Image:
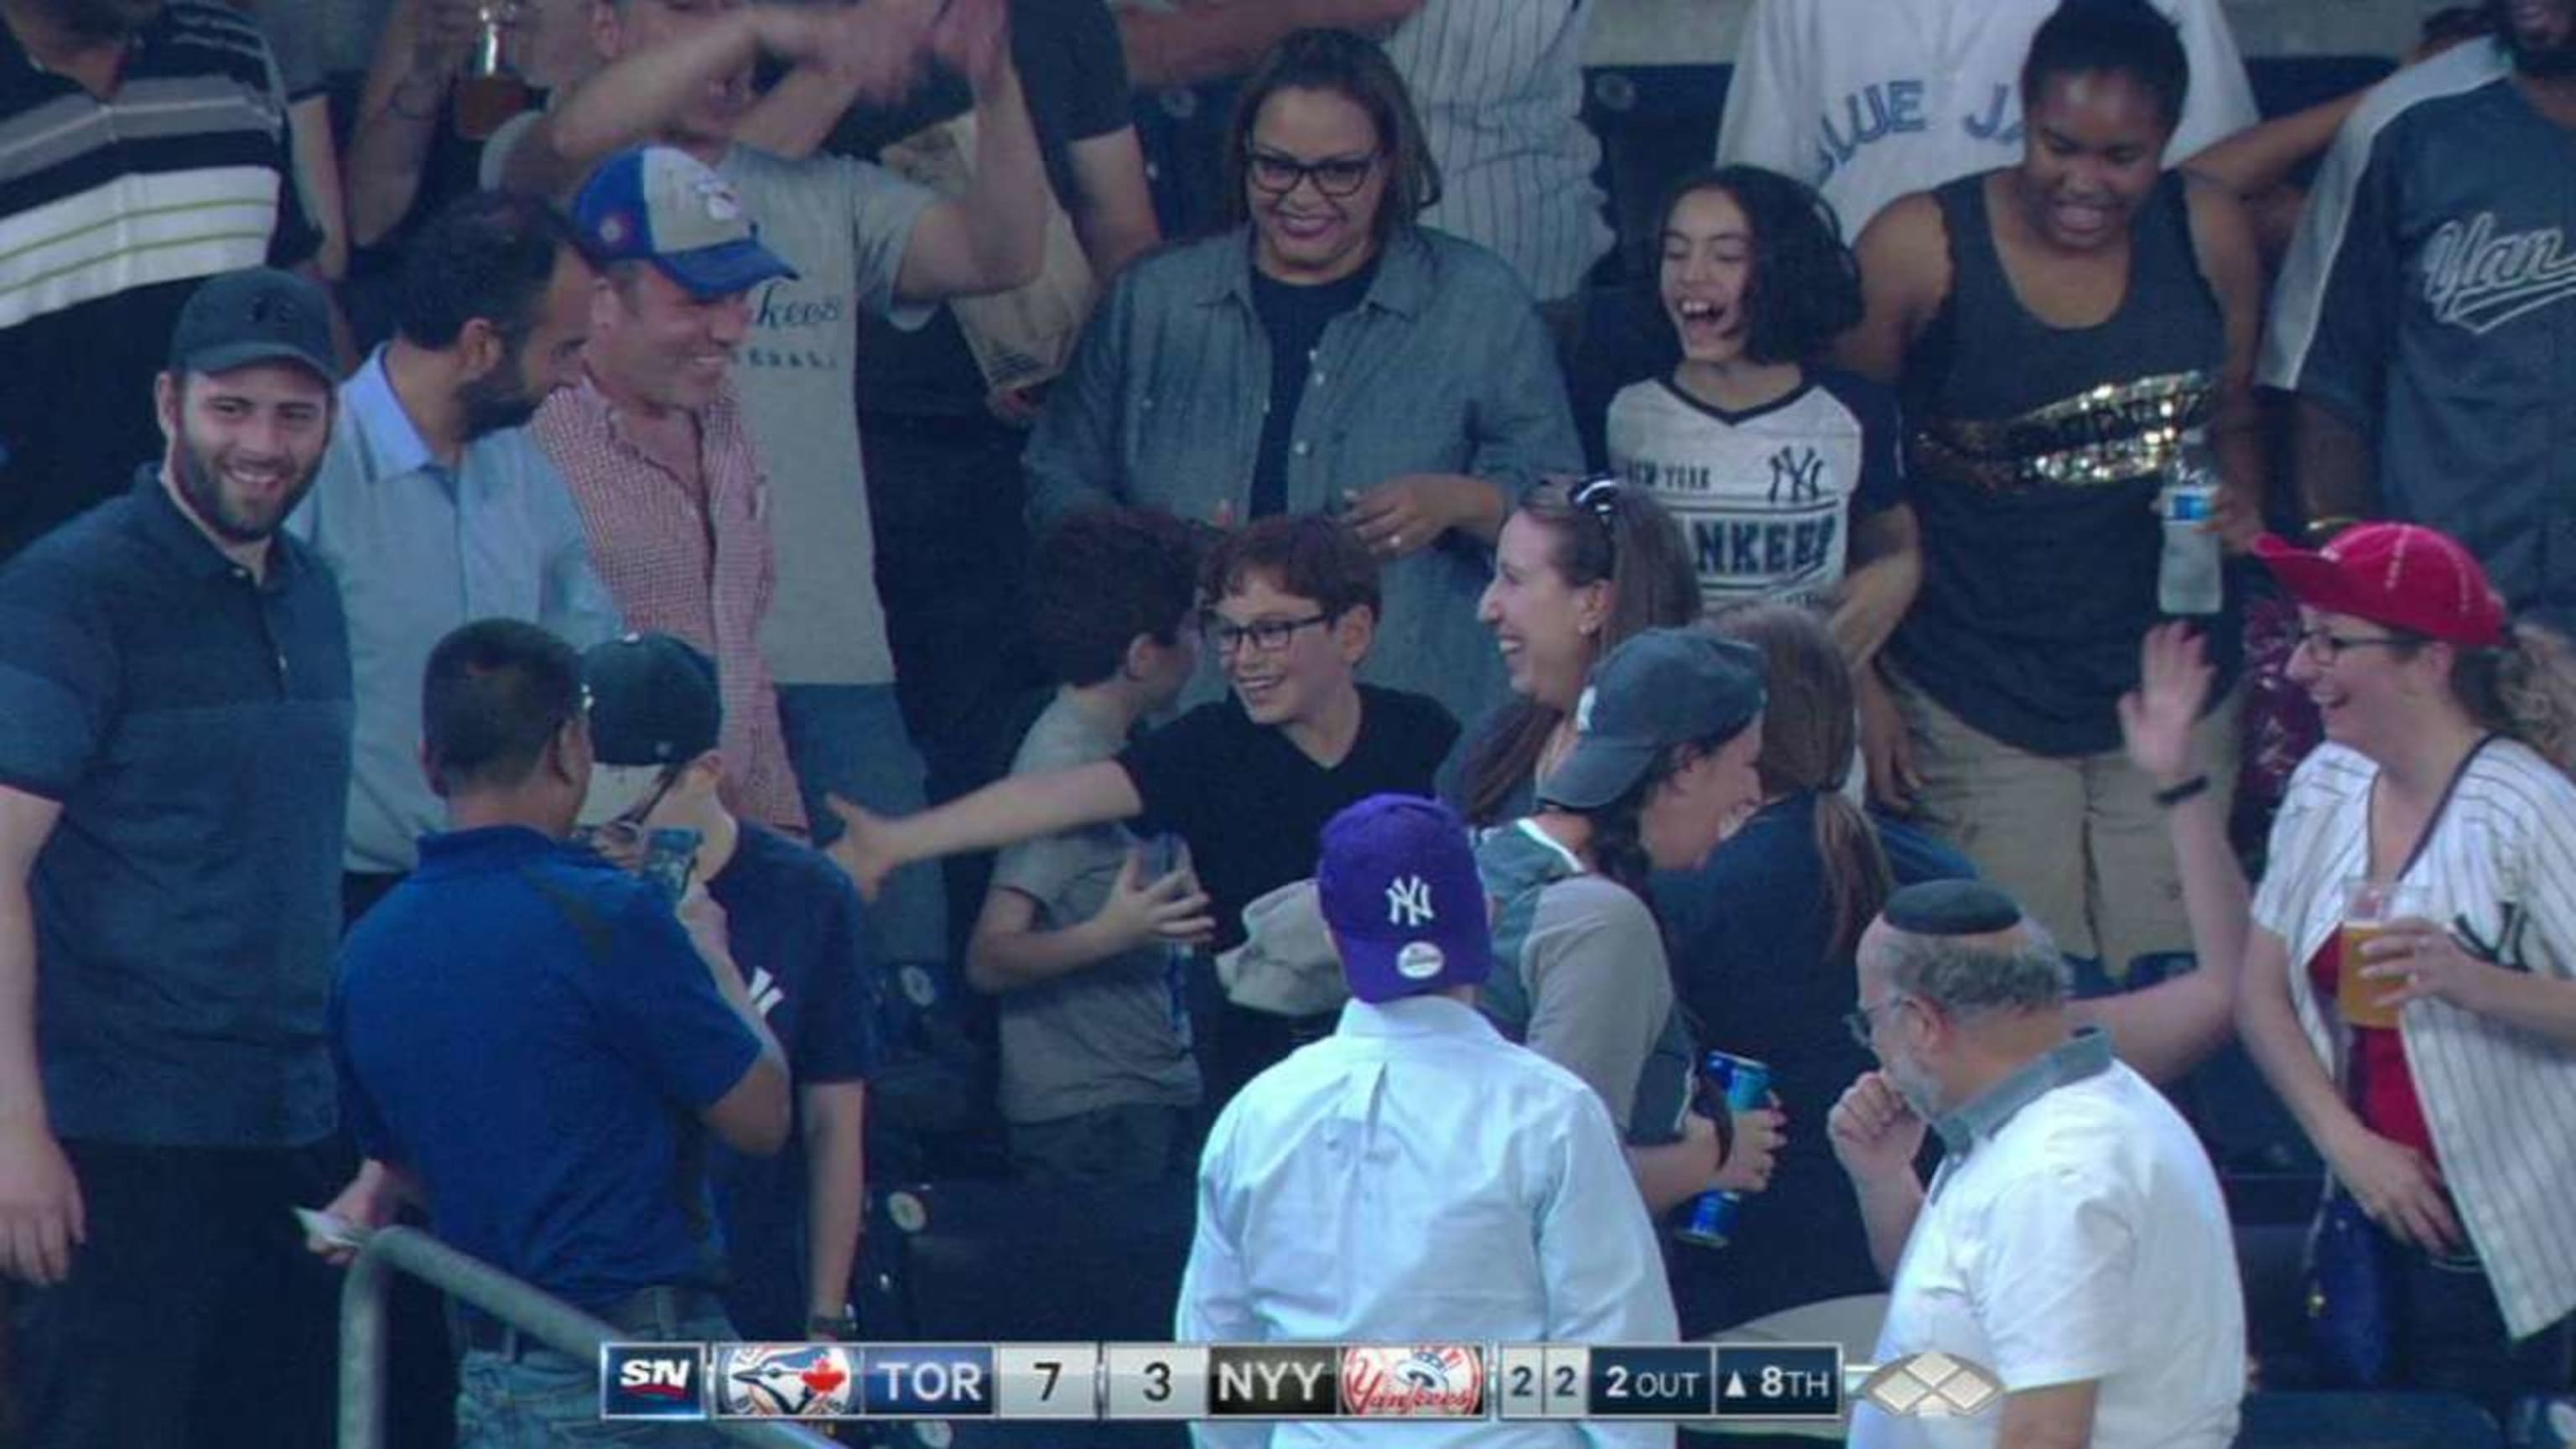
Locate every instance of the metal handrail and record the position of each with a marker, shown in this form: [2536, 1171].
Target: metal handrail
[558, 1324]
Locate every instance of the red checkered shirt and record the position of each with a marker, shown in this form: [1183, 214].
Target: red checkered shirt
[673, 571]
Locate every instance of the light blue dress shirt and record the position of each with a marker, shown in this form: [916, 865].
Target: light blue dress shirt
[1416, 1178]
[421, 548]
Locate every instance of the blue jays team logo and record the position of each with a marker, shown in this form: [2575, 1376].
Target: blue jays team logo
[784, 1381]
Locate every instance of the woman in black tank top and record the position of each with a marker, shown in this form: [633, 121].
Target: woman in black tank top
[2053, 329]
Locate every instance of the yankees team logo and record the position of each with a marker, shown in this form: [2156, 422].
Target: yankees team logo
[1408, 902]
[2478, 281]
[1799, 471]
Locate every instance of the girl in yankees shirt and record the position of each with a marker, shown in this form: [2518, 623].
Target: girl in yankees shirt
[1783, 474]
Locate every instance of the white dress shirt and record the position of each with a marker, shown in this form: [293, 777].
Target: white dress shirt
[2074, 1233]
[1414, 1177]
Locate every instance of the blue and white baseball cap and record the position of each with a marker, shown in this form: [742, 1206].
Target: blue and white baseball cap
[662, 205]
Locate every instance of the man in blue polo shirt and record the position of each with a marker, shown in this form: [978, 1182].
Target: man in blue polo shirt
[793, 924]
[531, 1039]
[174, 764]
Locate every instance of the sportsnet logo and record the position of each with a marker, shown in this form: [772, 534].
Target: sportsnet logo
[1413, 1381]
[652, 1381]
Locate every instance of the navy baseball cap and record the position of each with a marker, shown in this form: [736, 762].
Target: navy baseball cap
[236, 319]
[662, 205]
[654, 706]
[1658, 689]
[1399, 891]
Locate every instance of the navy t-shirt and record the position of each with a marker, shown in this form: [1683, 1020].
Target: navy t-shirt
[1749, 937]
[792, 921]
[1252, 805]
[529, 1030]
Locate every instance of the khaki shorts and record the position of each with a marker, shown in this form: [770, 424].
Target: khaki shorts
[2078, 840]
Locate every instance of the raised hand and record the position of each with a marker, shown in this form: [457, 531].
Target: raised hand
[2157, 717]
[973, 38]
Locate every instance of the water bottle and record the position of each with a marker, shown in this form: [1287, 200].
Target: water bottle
[2189, 579]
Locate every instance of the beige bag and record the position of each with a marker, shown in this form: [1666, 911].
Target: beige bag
[1019, 338]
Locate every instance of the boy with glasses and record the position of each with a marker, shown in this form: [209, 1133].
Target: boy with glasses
[1248, 781]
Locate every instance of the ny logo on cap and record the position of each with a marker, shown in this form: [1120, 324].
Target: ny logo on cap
[1408, 902]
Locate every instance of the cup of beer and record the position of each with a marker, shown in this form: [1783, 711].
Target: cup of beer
[2368, 908]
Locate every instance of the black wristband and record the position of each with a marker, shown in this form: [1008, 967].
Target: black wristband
[2172, 795]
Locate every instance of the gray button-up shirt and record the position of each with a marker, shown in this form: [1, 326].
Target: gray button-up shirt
[1444, 367]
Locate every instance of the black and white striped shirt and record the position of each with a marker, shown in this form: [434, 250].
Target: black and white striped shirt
[111, 212]
[1499, 85]
[2501, 1101]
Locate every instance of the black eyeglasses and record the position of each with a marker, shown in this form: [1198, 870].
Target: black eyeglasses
[2327, 646]
[1337, 176]
[625, 833]
[1266, 636]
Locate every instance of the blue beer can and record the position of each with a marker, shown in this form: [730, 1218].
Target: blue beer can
[1745, 1083]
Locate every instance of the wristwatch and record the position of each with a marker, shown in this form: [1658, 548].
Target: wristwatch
[843, 1325]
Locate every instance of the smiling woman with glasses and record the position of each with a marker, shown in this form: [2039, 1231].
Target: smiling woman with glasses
[1326, 353]
[2431, 1059]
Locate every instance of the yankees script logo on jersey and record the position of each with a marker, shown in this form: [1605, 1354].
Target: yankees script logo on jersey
[2478, 281]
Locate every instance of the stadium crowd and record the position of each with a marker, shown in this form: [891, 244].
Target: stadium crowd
[623, 616]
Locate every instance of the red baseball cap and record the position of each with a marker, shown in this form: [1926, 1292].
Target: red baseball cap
[2398, 574]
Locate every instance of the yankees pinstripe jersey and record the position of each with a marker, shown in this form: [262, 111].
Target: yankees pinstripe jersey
[1498, 84]
[2501, 1101]
[2431, 299]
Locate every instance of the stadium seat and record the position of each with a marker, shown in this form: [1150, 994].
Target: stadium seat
[2365, 1421]
[982, 1262]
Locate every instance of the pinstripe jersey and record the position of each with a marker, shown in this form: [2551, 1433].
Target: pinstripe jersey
[2501, 1102]
[1498, 84]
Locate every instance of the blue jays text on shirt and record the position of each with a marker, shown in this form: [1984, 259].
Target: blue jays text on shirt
[775, 316]
[1895, 108]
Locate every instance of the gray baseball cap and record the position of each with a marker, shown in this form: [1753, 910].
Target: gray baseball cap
[1661, 688]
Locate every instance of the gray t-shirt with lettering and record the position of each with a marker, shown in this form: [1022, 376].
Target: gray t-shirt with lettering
[844, 226]
[1111, 1034]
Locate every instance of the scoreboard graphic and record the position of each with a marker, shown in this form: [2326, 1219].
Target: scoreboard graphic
[1196, 1381]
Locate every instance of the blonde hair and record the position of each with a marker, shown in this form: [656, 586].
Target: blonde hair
[2525, 688]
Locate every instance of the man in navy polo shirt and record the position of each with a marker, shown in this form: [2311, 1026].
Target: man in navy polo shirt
[536, 1037]
[792, 922]
[174, 768]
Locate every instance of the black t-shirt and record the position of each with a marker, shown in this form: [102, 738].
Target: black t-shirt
[1075, 78]
[1294, 318]
[1252, 805]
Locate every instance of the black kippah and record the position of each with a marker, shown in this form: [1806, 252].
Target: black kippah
[1952, 908]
